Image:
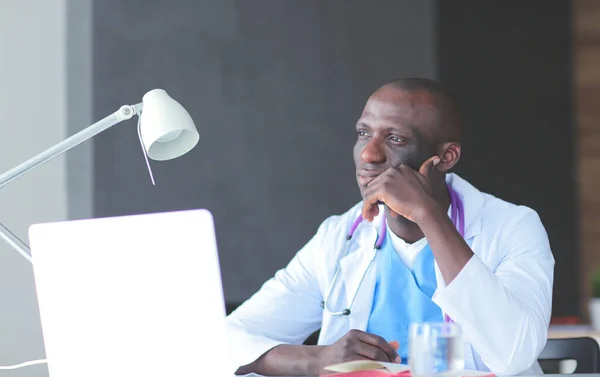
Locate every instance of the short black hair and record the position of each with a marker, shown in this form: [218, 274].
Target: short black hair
[449, 111]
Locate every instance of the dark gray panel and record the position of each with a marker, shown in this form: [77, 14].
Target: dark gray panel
[275, 88]
[509, 62]
[79, 160]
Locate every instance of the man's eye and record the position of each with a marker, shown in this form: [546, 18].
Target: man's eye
[396, 139]
[362, 133]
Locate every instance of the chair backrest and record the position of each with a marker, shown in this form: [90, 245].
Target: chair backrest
[583, 350]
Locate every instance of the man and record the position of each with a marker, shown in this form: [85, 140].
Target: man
[431, 248]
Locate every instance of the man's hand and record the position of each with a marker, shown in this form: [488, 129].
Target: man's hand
[301, 360]
[358, 345]
[405, 191]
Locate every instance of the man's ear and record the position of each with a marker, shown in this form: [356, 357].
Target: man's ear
[449, 154]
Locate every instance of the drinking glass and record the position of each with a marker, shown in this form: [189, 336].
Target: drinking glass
[435, 349]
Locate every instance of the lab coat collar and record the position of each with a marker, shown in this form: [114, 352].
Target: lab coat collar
[473, 202]
[358, 274]
[357, 270]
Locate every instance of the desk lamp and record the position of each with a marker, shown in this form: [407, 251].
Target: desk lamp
[165, 129]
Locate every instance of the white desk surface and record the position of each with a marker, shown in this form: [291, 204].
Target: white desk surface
[562, 331]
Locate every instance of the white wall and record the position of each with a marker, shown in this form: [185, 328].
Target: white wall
[36, 61]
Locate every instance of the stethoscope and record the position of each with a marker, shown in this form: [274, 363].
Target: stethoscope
[458, 219]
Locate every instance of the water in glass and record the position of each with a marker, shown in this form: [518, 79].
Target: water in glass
[435, 349]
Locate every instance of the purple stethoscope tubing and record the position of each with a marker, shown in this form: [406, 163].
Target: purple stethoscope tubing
[458, 219]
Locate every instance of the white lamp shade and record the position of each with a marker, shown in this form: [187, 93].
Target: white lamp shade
[167, 129]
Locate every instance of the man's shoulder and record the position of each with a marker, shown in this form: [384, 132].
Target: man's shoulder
[510, 230]
[511, 224]
[501, 213]
[492, 214]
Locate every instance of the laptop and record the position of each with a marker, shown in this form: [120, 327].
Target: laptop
[131, 296]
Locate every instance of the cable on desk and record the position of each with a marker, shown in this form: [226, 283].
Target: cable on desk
[25, 364]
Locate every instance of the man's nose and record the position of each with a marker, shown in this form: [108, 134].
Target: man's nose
[373, 152]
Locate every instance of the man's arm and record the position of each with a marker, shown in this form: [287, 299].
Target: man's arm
[285, 311]
[266, 333]
[408, 193]
[503, 313]
[449, 249]
[288, 360]
[294, 360]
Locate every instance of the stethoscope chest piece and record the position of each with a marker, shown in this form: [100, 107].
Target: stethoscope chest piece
[343, 312]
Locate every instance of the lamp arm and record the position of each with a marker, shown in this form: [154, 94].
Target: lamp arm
[124, 113]
[15, 242]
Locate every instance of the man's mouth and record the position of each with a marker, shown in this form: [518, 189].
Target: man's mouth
[365, 177]
[365, 180]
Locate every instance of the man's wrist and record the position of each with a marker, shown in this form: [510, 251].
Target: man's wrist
[288, 360]
[429, 211]
[314, 364]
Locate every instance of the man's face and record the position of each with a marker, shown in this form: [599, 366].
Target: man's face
[396, 127]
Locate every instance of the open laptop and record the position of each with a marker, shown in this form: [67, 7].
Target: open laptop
[131, 296]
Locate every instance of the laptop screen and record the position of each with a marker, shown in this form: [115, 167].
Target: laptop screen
[132, 295]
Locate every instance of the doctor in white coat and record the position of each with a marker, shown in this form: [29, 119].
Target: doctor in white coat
[423, 244]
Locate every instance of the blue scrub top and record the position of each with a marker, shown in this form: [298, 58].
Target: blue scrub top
[402, 296]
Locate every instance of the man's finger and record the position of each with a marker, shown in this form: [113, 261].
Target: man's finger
[370, 211]
[370, 207]
[380, 343]
[428, 164]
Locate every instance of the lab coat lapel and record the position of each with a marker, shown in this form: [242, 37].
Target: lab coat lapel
[353, 267]
[472, 205]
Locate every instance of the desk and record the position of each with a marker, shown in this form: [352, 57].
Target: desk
[556, 332]
[533, 375]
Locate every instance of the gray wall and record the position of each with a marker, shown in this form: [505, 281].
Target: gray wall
[275, 88]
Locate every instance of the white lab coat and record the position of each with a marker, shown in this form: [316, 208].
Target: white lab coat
[501, 299]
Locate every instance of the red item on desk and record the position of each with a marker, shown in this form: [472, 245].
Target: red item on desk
[382, 373]
[370, 373]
